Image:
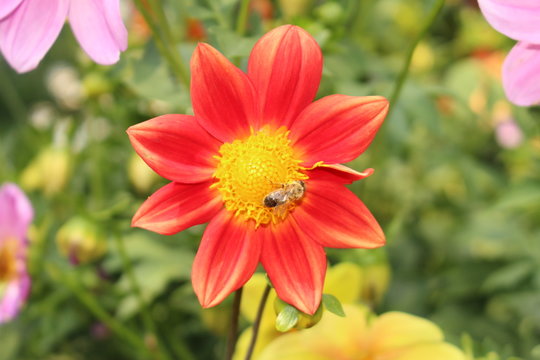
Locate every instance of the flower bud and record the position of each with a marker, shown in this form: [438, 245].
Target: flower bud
[48, 171]
[81, 241]
[330, 13]
[290, 317]
[292, 8]
[141, 175]
[64, 84]
[95, 84]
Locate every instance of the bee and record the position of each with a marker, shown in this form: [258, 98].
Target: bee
[289, 192]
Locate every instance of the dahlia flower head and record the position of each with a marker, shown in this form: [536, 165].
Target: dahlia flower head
[519, 20]
[28, 28]
[262, 163]
[15, 216]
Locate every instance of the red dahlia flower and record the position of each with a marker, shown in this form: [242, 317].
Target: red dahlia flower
[254, 134]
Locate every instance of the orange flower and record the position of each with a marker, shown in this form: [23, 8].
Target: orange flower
[262, 164]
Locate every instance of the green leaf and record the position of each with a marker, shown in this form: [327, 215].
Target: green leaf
[508, 277]
[332, 304]
[287, 318]
[155, 265]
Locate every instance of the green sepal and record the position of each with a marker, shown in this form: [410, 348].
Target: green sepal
[287, 318]
[332, 304]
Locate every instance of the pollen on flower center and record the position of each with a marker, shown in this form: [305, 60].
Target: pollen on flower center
[249, 169]
[8, 260]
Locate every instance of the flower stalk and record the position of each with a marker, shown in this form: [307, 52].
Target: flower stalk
[165, 44]
[430, 20]
[233, 329]
[242, 20]
[257, 322]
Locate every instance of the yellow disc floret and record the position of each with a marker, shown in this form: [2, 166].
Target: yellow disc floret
[250, 168]
[8, 259]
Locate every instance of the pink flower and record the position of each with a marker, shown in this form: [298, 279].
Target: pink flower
[28, 28]
[508, 134]
[15, 216]
[519, 20]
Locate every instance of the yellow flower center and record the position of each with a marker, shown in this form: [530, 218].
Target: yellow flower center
[250, 169]
[8, 260]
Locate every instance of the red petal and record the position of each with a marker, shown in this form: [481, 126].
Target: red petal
[176, 207]
[337, 128]
[176, 147]
[285, 67]
[222, 95]
[334, 217]
[227, 257]
[295, 264]
[338, 173]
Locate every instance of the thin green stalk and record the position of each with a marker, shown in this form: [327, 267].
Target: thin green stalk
[172, 57]
[257, 323]
[159, 11]
[11, 97]
[233, 330]
[148, 322]
[242, 20]
[430, 20]
[97, 310]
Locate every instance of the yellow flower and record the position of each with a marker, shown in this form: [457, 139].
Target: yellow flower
[359, 336]
[363, 336]
[347, 281]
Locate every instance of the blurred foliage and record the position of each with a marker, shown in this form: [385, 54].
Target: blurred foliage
[460, 211]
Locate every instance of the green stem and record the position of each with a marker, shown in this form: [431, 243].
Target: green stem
[166, 49]
[97, 310]
[233, 330]
[11, 97]
[405, 70]
[159, 11]
[257, 323]
[243, 14]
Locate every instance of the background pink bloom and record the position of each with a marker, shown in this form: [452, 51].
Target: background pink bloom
[508, 134]
[15, 216]
[519, 20]
[28, 28]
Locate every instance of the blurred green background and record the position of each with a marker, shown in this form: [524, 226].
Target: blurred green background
[456, 185]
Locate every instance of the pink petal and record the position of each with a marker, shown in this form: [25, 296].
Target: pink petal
[116, 25]
[338, 173]
[295, 264]
[14, 296]
[521, 74]
[98, 27]
[176, 207]
[518, 19]
[334, 217]
[30, 30]
[226, 259]
[337, 128]
[7, 6]
[222, 95]
[176, 147]
[285, 67]
[16, 212]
